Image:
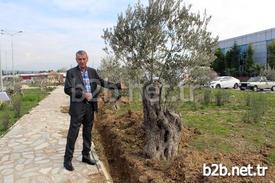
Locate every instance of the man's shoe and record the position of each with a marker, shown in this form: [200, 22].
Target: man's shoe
[68, 166]
[88, 161]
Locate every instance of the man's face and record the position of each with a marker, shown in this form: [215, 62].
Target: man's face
[82, 60]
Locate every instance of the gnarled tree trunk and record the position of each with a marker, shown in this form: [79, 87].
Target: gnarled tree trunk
[162, 127]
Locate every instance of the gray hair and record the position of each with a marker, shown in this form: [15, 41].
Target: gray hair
[81, 52]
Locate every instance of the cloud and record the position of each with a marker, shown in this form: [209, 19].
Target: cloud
[50, 42]
[231, 18]
[55, 29]
[93, 6]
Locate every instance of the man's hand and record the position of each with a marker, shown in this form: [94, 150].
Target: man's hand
[88, 96]
[123, 86]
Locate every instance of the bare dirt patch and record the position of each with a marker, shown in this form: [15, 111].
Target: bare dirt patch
[123, 141]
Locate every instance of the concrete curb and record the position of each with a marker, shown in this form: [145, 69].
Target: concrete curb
[100, 166]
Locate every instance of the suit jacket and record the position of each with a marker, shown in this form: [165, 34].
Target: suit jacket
[74, 87]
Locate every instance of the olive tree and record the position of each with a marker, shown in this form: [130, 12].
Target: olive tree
[164, 39]
[111, 69]
[271, 54]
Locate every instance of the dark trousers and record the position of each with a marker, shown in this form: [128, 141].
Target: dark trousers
[85, 116]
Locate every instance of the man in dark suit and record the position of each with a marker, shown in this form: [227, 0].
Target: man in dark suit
[81, 85]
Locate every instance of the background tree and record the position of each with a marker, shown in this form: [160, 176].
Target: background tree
[232, 60]
[235, 60]
[228, 62]
[110, 69]
[219, 63]
[249, 62]
[268, 72]
[164, 39]
[63, 69]
[271, 55]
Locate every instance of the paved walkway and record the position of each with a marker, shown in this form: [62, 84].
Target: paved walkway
[33, 150]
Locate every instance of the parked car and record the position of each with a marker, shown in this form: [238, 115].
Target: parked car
[225, 82]
[256, 83]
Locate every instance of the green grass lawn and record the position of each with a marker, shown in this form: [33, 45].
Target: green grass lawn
[29, 99]
[244, 122]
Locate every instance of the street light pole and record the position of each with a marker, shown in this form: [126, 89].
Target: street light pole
[12, 62]
[1, 78]
[12, 59]
[6, 58]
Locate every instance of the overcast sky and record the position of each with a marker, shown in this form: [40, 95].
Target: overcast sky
[53, 30]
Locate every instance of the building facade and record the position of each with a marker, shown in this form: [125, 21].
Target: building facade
[259, 41]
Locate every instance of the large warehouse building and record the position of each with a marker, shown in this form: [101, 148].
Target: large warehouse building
[258, 40]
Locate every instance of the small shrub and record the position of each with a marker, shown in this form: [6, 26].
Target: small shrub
[6, 121]
[3, 106]
[257, 108]
[18, 88]
[221, 97]
[206, 97]
[50, 89]
[248, 99]
[10, 91]
[195, 106]
[194, 98]
[16, 103]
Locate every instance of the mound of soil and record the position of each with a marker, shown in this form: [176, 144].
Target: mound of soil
[123, 141]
